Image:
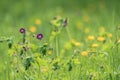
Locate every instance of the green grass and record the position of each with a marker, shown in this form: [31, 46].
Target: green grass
[74, 56]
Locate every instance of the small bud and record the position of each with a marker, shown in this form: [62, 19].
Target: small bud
[10, 43]
[33, 35]
[65, 22]
[24, 48]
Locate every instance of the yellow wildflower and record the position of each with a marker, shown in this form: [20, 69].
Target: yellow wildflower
[38, 21]
[91, 38]
[75, 43]
[72, 41]
[94, 45]
[49, 52]
[102, 29]
[79, 25]
[44, 69]
[87, 30]
[101, 39]
[84, 53]
[32, 29]
[109, 35]
[118, 40]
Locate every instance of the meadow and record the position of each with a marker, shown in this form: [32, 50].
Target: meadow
[60, 40]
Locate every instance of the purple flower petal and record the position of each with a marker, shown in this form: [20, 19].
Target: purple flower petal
[22, 30]
[39, 36]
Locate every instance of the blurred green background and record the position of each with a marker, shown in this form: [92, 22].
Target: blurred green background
[16, 13]
[23, 13]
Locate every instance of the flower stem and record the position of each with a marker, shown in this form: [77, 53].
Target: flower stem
[57, 46]
[68, 33]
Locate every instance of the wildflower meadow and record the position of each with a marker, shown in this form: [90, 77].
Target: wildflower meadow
[59, 40]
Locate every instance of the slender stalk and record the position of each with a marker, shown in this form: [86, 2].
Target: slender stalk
[113, 60]
[57, 46]
[68, 33]
[8, 68]
[51, 76]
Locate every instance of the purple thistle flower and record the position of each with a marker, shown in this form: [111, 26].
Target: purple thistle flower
[22, 30]
[39, 36]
